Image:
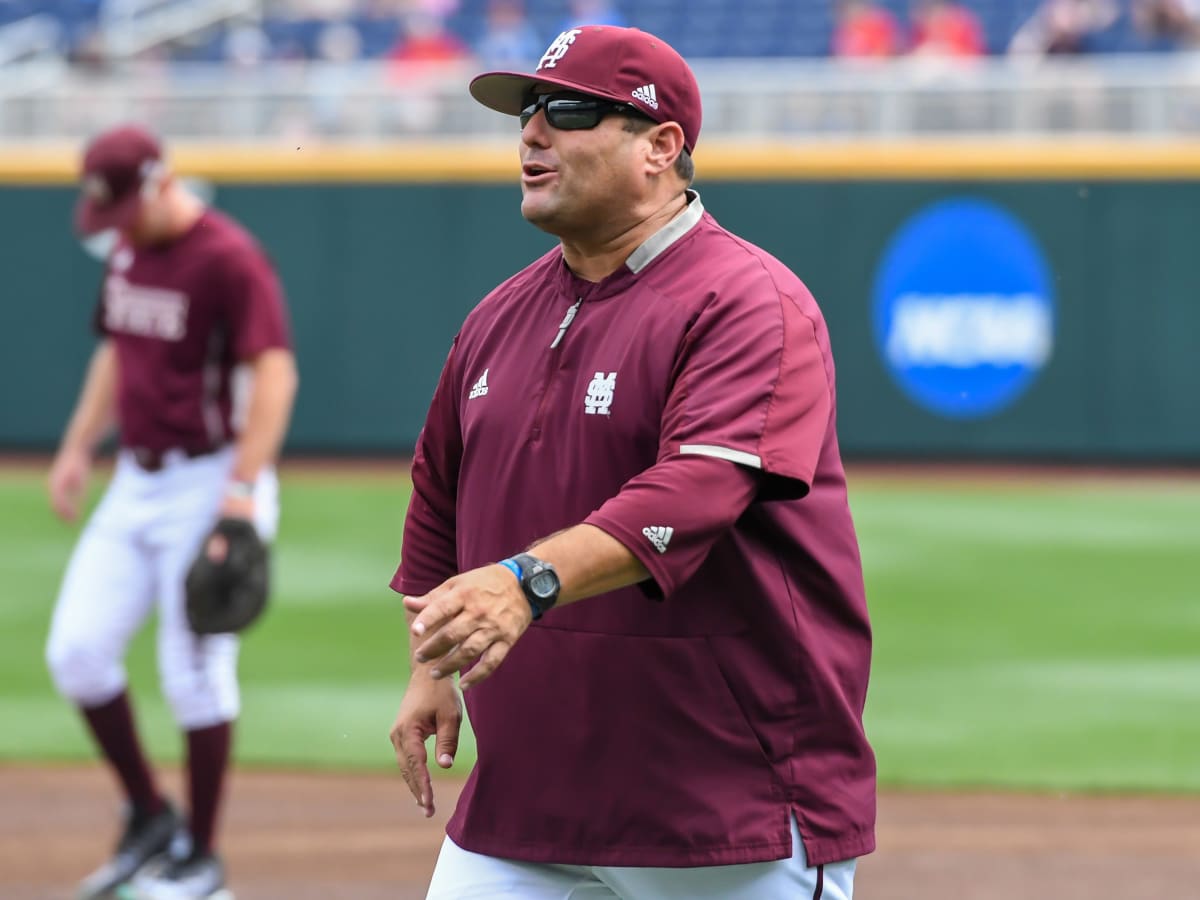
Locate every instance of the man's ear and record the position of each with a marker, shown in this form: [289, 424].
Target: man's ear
[666, 143]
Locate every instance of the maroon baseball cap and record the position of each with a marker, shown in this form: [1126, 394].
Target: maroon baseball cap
[115, 165]
[622, 64]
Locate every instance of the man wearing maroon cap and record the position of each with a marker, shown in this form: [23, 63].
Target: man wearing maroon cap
[194, 371]
[629, 533]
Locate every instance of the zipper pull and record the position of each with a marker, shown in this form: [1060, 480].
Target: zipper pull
[566, 323]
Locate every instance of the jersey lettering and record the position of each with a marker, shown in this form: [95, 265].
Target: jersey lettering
[144, 311]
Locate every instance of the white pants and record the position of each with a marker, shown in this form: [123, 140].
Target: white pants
[134, 551]
[462, 875]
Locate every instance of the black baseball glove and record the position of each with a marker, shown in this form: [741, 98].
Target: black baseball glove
[228, 582]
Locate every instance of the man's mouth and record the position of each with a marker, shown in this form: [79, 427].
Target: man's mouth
[534, 171]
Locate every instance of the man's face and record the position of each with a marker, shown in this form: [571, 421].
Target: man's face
[151, 222]
[578, 183]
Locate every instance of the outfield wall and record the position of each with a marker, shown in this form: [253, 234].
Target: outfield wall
[1071, 332]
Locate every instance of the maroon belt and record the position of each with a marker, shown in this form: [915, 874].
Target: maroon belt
[152, 460]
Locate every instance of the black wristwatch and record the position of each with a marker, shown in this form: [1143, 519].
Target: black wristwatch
[538, 580]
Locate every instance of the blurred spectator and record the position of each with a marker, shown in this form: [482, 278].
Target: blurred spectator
[865, 30]
[509, 40]
[338, 43]
[246, 46]
[89, 50]
[1063, 26]
[427, 41]
[942, 28]
[1168, 23]
[593, 12]
[422, 63]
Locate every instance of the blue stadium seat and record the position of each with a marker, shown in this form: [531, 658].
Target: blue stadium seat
[698, 28]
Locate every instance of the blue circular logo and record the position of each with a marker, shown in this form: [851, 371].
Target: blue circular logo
[964, 309]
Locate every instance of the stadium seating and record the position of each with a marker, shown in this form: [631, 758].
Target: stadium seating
[698, 28]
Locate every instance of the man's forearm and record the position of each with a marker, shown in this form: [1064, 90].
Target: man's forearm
[268, 413]
[95, 412]
[589, 561]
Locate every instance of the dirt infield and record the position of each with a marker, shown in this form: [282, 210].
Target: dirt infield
[304, 837]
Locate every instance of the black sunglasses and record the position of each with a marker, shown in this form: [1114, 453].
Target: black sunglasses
[574, 113]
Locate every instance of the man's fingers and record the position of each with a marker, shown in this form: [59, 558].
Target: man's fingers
[402, 762]
[416, 604]
[409, 745]
[444, 640]
[422, 786]
[460, 656]
[488, 663]
[64, 499]
[446, 746]
[438, 611]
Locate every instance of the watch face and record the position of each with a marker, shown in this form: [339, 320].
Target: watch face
[544, 584]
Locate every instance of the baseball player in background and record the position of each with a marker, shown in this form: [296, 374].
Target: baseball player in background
[642, 420]
[188, 301]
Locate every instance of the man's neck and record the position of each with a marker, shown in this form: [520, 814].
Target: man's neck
[182, 213]
[186, 210]
[596, 261]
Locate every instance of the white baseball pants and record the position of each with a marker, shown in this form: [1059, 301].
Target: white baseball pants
[132, 558]
[463, 875]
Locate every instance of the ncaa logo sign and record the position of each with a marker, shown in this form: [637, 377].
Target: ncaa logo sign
[963, 309]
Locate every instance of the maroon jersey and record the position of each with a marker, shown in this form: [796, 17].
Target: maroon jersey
[181, 315]
[688, 410]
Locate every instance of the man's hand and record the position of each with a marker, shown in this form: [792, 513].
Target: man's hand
[236, 507]
[477, 615]
[67, 482]
[429, 707]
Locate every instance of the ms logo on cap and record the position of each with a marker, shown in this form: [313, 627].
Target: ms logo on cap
[96, 189]
[964, 309]
[558, 49]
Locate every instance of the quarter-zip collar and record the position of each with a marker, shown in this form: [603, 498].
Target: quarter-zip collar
[655, 245]
[646, 253]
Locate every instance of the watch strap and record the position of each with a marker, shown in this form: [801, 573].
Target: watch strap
[513, 566]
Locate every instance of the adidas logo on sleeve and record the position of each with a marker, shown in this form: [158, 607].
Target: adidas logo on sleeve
[659, 536]
[479, 388]
[647, 95]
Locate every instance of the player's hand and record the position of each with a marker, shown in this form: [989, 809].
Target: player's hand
[67, 482]
[429, 708]
[477, 615]
[233, 507]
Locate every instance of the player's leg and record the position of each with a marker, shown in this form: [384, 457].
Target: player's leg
[198, 673]
[105, 596]
[784, 879]
[463, 875]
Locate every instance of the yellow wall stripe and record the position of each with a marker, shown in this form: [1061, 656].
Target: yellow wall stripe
[496, 162]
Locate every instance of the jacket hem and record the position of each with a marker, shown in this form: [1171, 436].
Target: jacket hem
[648, 857]
[824, 851]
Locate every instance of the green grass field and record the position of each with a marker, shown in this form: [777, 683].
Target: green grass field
[1027, 634]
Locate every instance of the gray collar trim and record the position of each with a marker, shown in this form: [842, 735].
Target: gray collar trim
[658, 242]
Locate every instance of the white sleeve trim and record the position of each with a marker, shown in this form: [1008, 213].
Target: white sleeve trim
[737, 456]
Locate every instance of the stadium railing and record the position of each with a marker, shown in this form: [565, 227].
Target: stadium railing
[802, 100]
